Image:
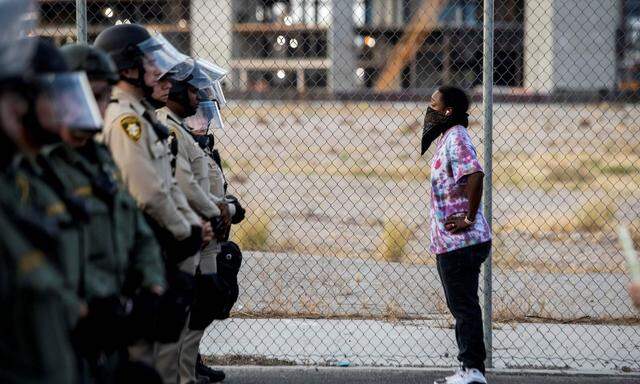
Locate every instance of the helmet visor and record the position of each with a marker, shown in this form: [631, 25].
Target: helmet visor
[199, 78]
[206, 117]
[70, 96]
[166, 58]
[213, 71]
[206, 79]
[17, 18]
[206, 94]
[219, 94]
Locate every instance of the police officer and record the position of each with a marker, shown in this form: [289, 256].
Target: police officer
[137, 141]
[34, 344]
[189, 98]
[216, 184]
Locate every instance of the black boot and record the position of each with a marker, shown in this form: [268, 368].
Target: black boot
[213, 375]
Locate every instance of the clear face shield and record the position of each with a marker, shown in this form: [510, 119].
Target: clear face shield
[71, 101]
[215, 75]
[18, 18]
[162, 55]
[215, 72]
[206, 118]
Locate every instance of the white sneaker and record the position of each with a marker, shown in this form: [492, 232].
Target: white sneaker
[464, 376]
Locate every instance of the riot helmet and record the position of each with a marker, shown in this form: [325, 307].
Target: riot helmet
[99, 67]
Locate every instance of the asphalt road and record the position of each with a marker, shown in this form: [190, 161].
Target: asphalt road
[327, 375]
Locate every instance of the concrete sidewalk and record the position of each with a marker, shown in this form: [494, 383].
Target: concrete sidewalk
[424, 343]
[328, 375]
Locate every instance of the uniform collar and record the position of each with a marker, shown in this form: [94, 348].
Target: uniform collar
[172, 117]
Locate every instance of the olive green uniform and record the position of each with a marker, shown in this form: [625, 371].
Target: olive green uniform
[34, 330]
[119, 242]
[25, 182]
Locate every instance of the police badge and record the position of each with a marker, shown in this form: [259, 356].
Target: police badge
[132, 127]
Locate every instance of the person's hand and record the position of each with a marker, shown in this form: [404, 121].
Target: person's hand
[634, 292]
[207, 232]
[156, 289]
[83, 309]
[456, 223]
[224, 213]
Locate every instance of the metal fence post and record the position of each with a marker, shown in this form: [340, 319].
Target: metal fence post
[81, 21]
[487, 101]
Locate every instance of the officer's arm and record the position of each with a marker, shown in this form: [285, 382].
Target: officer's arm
[196, 197]
[133, 156]
[183, 205]
[201, 170]
[216, 180]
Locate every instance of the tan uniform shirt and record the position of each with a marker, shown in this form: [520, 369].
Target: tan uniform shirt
[144, 161]
[191, 166]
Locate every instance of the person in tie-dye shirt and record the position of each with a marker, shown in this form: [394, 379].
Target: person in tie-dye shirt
[460, 235]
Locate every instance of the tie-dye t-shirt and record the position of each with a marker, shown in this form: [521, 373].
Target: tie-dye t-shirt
[455, 158]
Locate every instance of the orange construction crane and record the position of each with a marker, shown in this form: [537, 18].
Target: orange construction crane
[423, 21]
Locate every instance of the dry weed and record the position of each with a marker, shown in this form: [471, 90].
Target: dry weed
[253, 233]
[396, 235]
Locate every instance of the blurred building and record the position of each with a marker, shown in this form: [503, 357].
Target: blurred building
[346, 46]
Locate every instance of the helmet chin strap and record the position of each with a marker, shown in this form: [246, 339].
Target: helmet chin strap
[139, 82]
[157, 104]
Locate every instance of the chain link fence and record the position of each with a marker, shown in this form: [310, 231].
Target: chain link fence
[323, 126]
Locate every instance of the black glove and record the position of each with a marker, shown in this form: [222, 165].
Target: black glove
[218, 227]
[240, 212]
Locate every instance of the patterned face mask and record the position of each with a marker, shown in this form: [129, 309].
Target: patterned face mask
[436, 123]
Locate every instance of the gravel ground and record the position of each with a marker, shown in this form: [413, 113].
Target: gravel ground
[421, 343]
[372, 304]
[330, 174]
[312, 285]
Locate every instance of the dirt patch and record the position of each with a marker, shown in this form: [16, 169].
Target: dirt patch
[245, 360]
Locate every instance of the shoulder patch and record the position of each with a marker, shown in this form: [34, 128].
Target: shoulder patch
[55, 209]
[30, 261]
[132, 127]
[23, 186]
[84, 191]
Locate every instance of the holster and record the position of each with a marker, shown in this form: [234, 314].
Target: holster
[216, 293]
